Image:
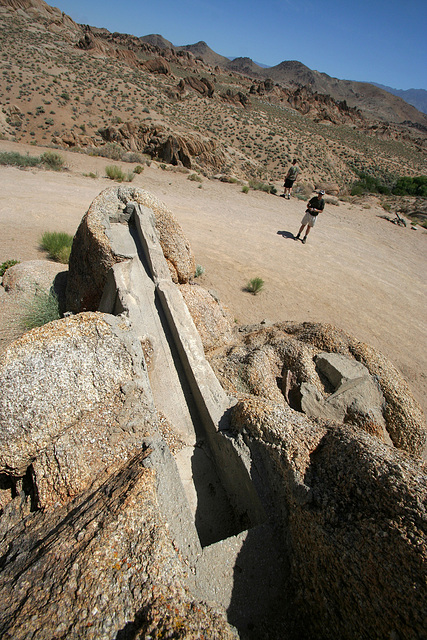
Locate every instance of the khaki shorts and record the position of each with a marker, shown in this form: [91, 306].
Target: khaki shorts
[309, 219]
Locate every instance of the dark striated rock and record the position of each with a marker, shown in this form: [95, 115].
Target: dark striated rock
[103, 567]
[202, 85]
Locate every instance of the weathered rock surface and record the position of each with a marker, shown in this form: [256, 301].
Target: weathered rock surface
[157, 65]
[67, 404]
[213, 321]
[85, 551]
[176, 148]
[103, 567]
[353, 513]
[34, 275]
[201, 85]
[355, 398]
[92, 257]
[279, 363]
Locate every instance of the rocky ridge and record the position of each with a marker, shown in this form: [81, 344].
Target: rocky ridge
[194, 97]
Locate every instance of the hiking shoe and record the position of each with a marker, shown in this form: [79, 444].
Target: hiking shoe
[297, 236]
[304, 240]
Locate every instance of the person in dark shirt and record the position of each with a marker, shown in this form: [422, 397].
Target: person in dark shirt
[314, 207]
[290, 178]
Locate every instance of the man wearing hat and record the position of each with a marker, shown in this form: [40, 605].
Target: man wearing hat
[314, 207]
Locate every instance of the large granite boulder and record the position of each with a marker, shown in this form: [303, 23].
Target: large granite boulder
[281, 363]
[68, 407]
[34, 275]
[92, 256]
[353, 520]
[86, 552]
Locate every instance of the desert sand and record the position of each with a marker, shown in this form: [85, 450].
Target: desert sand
[357, 271]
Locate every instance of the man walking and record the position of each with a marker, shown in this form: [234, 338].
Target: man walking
[314, 207]
[290, 178]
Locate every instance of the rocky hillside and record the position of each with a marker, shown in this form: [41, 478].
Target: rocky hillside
[74, 86]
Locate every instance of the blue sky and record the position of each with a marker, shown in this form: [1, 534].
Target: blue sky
[377, 40]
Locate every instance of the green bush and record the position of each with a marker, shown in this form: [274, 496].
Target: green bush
[43, 308]
[199, 271]
[5, 265]
[18, 160]
[370, 184]
[245, 188]
[138, 169]
[407, 186]
[255, 285]
[58, 245]
[52, 160]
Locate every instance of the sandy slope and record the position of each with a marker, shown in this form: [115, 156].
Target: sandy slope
[356, 271]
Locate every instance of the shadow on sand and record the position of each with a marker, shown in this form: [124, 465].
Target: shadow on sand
[286, 234]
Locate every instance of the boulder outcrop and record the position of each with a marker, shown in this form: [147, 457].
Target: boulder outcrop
[173, 148]
[85, 550]
[134, 489]
[354, 522]
[279, 363]
[66, 401]
[92, 257]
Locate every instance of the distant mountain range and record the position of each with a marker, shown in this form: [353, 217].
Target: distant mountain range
[416, 97]
[374, 101]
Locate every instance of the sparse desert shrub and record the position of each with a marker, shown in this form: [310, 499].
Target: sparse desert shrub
[18, 160]
[138, 169]
[5, 266]
[52, 160]
[199, 271]
[255, 285]
[257, 185]
[194, 177]
[132, 156]
[110, 150]
[245, 188]
[90, 175]
[114, 173]
[58, 245]
[302, 190]
[41, 309]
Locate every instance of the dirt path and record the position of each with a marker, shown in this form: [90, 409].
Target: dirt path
[357, 271]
